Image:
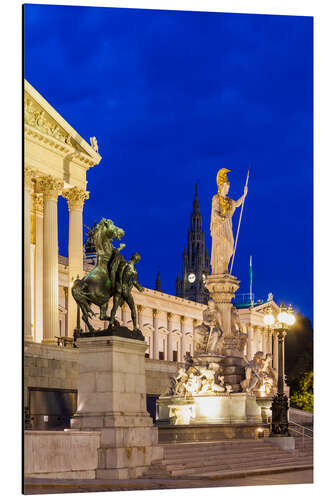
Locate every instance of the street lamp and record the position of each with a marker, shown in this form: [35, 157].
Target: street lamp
[280, 405]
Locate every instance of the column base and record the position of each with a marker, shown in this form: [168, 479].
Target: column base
[50, 341]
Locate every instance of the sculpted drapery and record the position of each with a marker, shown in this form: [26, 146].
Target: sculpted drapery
[223, 209]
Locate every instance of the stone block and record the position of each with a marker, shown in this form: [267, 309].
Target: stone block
[104, 381]
[83, 451]
[233, 361]
[232, 379]
[138, 436]
[98, 402]
[101, 458]
[233, 370]
[94, 361]
[113, 437]
[42, 362]
[130, 382]
[112, 473]
[130, 402]
[87, 422]
[157, 453]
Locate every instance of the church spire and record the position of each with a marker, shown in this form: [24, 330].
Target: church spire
[195, 258]
[196, 205]
[158, 284]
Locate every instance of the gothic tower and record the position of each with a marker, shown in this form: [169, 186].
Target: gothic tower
[195, 260]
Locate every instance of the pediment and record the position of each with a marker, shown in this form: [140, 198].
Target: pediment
[41, 117]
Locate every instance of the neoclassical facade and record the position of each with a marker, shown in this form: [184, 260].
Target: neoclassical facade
[56, 160]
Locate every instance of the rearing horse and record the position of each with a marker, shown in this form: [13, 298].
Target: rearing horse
[97, 287]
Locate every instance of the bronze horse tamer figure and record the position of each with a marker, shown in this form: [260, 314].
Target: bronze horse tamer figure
[112, 276]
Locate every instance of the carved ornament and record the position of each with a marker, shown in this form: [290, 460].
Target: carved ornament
[28, 177]
[38, 202]
[75, 197]
[38, 119]
[50, 186]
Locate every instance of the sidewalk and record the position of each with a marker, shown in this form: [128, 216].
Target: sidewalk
[298, 475]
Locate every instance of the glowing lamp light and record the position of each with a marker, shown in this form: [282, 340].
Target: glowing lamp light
[260, 432]
[291, 317]
[283, 315]
[269, 319]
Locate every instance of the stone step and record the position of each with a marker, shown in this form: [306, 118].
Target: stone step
[221, 450]
[255, 470]
[244, 456]
[203, 470]
[221, 447]
[235, 460]
[222, 457]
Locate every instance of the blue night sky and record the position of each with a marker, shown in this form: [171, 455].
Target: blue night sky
[172, 97]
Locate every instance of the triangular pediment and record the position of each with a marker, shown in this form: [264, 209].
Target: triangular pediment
[42, 117]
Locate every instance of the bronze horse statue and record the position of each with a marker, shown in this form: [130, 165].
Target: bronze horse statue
[111, 276]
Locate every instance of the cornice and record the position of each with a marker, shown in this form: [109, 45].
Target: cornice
[42, 117]
[56, 146]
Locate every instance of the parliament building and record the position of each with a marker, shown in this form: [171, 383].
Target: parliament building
[56, 160]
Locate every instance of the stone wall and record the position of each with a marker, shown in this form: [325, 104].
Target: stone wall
[61, 455]
[49, 367]
[55, 367]
[158, 373]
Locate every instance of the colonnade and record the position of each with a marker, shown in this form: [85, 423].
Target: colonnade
[262, 339]
[43, 191]
[164, 330]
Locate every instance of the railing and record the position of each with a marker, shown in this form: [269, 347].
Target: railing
[301, 431]
[243, 298]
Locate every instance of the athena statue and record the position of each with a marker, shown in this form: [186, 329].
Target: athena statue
[223, 209]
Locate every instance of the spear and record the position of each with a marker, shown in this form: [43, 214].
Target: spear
[240, 218]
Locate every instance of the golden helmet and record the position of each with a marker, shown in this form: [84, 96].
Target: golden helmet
[221, 177]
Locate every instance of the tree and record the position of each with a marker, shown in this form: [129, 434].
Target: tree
[298, 352]
[303, 397]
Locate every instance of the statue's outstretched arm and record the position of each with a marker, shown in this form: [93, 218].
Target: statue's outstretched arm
[137, 285]
[240, 200]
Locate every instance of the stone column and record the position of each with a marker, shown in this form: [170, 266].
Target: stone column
[140, 322]
[66, 289]
[264, 341]
[195, 322]
[182, 339]
[269, 342]
[32, 265]
[50, 187]
[75, 198]
[124, 316]
[169, 338]
[250, 343]
[28, 173]
[155, 334]
[38, 207]
[275, 351]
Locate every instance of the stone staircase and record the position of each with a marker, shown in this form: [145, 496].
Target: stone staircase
[243, 456]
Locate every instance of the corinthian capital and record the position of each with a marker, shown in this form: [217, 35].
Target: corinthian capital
[50, 186]
[75, 197]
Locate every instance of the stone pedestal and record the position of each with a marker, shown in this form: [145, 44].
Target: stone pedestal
[234, 408]
[112, 400]
[222, 288]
